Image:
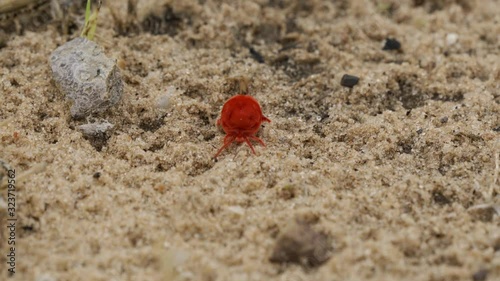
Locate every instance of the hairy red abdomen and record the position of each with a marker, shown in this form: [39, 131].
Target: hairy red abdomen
[241, 118]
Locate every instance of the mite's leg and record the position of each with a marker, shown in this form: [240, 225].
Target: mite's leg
[258, 140]
[249, 144]
[227, 141]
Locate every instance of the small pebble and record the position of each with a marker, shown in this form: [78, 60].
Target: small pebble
[349, 80]
[165, 101]
[93, 129]
[451, 39]
[419, 131]
[299, 243]
[97, 133]
[236, 210]
[97, 175]
[444, 119]
[391, 44]
[496, 244]
[480, 275]
[256, 55]
[484, 212]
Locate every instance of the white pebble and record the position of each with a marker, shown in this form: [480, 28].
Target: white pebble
[451, 39]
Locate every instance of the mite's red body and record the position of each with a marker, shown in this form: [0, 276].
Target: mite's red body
[240, 118]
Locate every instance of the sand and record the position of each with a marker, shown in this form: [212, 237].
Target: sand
[394, 179]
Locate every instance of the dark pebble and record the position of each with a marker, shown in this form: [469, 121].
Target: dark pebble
[444, 119]
[301, 244]
[349, 80]
[391, 44]
[440, 198]
[480, 275]
[256, 55]
[419, 131]
[97, 175]
[496, 244]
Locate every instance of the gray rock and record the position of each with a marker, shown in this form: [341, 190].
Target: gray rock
[97, 133]
[86, 76]
[93, 129]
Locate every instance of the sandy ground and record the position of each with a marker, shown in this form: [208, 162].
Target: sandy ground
[394, 179]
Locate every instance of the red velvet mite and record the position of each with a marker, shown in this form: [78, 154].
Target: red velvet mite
[240, 118]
